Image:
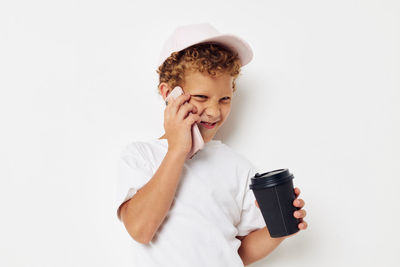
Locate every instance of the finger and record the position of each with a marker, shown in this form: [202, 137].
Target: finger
[303, 225]
[297, 191]
[257, 204]
[192, 118]
[185, 109]
[174, 104]
[299, 214]
[298, 203]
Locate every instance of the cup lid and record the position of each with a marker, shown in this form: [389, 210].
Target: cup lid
[271, 178]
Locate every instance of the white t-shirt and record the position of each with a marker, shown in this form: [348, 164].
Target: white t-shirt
[213, 204]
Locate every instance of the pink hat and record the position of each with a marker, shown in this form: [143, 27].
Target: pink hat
[188, 35]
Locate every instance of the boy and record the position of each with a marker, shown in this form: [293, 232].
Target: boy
[199, 211]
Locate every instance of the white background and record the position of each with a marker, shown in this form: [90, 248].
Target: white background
[321, 97]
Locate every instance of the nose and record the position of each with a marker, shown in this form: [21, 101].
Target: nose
[212, 111]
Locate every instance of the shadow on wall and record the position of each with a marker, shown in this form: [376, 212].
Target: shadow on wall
[240, 103]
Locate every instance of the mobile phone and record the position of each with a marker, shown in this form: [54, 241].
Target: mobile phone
[197, 139]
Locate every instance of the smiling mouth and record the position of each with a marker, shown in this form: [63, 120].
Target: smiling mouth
[208, 125]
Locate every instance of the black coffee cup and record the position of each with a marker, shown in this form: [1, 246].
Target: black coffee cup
[274, 193]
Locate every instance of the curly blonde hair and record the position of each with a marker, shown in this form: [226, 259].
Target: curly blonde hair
[213, 58]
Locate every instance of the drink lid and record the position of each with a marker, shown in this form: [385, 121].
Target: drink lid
[269, 179]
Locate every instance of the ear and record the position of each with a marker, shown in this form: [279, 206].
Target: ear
[164, 89]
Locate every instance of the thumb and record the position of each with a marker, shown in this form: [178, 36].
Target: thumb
[257, 204]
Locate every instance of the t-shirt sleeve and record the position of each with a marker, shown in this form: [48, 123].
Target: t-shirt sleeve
[251, 218]
[133, 172]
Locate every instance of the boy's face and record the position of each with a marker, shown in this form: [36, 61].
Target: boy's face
[212, 96]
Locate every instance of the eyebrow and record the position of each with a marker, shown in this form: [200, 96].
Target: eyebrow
[207, 96]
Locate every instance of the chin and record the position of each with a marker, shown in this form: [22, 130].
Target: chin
[208, 134]
[208, 137]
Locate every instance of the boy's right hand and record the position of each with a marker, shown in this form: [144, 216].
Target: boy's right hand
[179, 116]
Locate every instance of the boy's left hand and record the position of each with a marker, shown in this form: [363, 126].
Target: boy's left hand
[300, 214]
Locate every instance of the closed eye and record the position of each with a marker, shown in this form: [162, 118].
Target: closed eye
[205, 97]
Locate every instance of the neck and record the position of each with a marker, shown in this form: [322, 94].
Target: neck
[164, 137]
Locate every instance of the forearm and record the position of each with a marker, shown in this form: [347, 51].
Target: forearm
[257, 245]
[147, 209]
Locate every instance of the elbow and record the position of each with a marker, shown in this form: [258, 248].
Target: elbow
[141, 232]
[141, 239]
[245, 263]
[143, 235]
[245, 258]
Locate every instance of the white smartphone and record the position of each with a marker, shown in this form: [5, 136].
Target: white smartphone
[197, 139]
